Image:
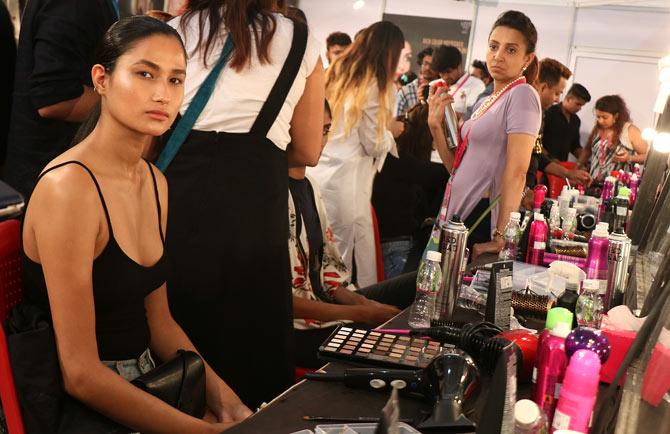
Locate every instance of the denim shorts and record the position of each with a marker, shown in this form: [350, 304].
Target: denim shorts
[132, 368]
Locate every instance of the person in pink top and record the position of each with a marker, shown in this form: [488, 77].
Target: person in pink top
[496, 142]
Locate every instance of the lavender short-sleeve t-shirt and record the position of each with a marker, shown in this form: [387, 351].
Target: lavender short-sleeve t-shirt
[481, 170]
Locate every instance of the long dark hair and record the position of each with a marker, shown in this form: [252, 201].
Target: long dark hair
[520, 22]
[236, 16]
[614, 105]
[416, 139]
[121, 37]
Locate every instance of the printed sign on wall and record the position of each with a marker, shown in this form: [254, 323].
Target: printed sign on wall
[421, 32]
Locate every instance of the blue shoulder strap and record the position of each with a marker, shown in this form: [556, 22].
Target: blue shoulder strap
[186, 123]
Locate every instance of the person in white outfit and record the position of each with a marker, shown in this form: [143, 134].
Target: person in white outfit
[359, 87]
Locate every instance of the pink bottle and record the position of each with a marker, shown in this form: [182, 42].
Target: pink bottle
[539, 194]
[537, 253]
[538, 233]
[551, 369]
[596, 261]
[579, 392]
[554, 316]
[607, 194]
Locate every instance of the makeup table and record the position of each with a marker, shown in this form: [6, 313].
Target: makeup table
[314, 398]
[285, 413]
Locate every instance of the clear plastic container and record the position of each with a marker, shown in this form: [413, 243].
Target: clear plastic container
[511, 236]
[428, 284]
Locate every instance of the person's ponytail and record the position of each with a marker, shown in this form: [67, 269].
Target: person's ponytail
[87, 127]
[532, 71]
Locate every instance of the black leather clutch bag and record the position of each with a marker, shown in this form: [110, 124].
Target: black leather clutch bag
[179, 382]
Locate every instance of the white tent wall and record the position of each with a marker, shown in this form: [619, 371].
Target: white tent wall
[611, 48]
[553, 24]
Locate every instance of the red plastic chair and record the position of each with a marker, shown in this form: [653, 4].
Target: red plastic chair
[555, 183]
[378, 247]
[11, 291]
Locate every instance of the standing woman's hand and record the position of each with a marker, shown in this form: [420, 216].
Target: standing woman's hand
[437, 103]
[438, 98]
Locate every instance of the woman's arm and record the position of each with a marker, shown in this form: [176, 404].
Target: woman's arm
[307, 121]
[167, 337]
[374, 144]
[368, 313]
[585, 155]
[65, 203]
[639, 144]
[519, 148]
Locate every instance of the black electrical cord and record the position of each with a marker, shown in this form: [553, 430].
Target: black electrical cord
[477, 339]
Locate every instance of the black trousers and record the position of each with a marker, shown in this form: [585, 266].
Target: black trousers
[399, 292]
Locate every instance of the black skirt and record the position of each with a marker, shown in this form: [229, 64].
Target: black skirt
[227, 239]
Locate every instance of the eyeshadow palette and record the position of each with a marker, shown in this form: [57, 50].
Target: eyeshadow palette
[377, 348]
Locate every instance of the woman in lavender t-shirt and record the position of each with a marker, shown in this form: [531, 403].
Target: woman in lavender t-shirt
[499, 136]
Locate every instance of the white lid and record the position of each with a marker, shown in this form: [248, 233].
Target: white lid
[515, 215]
[561, 329]
[634, 177]
[572, 212]
[564, 189]
[591, 284]
[539, 245]
[526, 412]
[434, 256]
[601, 230]
[610, 179]
[539, 216]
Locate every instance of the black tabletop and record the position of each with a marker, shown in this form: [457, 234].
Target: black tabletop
[312, 398]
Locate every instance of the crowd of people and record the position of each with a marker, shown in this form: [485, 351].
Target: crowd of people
[205, 183]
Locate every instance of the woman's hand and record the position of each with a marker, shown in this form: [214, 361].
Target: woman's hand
[226, 406]
[577, 177]
[437, 103]
[374, 313]
[622, 156]
[493, 246]
[397, 128]
[219, 427]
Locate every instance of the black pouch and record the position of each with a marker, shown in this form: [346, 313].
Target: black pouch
[179, 382]
[45, 406]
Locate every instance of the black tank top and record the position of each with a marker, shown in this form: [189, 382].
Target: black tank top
[119, 288]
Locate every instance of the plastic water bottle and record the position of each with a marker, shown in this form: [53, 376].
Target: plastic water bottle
[590, 304]
[512, 236]
[428, 283]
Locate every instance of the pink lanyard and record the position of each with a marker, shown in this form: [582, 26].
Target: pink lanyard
[603, 149]
[463, 146]
[467, 77]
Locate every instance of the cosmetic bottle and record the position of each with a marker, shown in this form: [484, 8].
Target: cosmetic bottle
[551, 369]
[578, 393]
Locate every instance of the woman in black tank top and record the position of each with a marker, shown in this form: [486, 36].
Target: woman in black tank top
[93, 240]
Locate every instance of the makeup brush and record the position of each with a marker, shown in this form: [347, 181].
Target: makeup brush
[359, 419]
